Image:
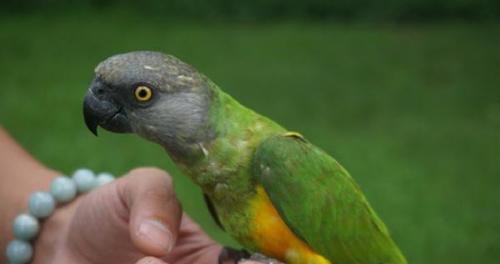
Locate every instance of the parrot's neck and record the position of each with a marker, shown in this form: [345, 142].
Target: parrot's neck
[220, 165]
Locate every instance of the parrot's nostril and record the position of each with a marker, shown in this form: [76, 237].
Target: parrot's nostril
[100, 91]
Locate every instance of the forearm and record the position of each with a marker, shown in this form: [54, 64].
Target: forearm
[20, 175]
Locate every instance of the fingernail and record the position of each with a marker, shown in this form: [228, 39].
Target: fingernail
[156, 232]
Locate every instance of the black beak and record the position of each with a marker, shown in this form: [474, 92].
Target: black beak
[90, 117]
[99, 109]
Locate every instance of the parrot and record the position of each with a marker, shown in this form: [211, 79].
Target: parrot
[269, 188]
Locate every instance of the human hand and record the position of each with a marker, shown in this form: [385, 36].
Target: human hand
[102, 226]
[135, 219]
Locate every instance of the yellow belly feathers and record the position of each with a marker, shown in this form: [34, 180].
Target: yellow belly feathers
[274, 238]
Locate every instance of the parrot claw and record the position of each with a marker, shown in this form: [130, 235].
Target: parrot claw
[232, 256]
[257, 257]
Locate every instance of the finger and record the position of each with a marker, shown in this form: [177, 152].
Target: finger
[155, 213]
[150, 260]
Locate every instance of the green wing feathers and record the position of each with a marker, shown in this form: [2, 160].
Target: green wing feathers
[321, 203]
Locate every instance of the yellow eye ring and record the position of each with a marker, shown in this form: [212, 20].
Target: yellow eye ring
[143, 93]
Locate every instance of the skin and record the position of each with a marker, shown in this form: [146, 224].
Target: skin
[135, 219]
[17, 168]
[244, 163]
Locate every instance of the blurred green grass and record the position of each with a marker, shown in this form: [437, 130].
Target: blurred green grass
[412, 111]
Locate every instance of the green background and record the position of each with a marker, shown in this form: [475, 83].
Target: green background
[411, 109]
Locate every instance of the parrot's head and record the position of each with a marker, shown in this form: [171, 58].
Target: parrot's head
[154, 95]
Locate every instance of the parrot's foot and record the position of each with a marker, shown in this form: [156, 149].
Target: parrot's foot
[262, 259]
[232, 256]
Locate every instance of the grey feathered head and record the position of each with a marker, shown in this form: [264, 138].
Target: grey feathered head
[154, 95]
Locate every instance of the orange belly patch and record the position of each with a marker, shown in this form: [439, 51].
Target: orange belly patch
[274, 238]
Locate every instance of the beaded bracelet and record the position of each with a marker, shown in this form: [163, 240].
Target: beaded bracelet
[42, 204]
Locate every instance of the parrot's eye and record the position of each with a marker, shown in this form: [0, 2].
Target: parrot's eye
[143, 93]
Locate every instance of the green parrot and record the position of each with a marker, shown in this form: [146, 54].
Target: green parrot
[269, 188]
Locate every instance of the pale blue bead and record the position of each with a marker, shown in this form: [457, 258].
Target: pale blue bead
[103, 178]
[84, 180]
[41, 204]
[63, 189]
[19, 252]
[26, 227]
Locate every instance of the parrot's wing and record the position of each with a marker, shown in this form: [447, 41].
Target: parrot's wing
[320, 202]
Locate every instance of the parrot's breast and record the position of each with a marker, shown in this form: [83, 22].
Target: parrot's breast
[272, 236]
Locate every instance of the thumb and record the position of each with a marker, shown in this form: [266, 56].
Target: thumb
[155, 213]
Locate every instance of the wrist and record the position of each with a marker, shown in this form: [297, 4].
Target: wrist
[51, 245]
[13, 199]
[50, 241]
